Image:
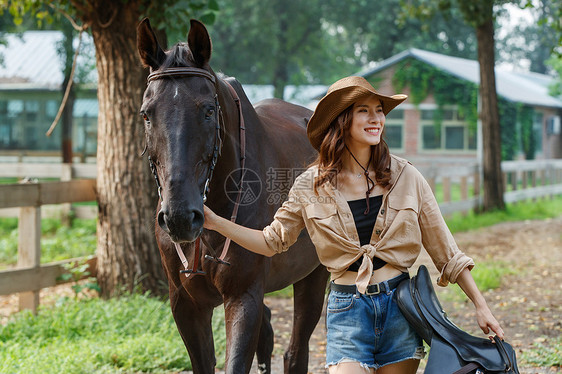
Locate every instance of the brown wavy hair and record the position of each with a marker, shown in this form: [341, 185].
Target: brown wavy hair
[330, 156]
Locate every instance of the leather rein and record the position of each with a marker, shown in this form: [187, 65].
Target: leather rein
[196, 72]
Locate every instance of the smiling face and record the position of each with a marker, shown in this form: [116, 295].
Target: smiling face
[367, 123]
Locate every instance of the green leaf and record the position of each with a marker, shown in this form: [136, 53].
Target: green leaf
[214, 5]
[208, 18]
[64, 277]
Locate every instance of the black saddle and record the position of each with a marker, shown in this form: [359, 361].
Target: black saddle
[452, 349]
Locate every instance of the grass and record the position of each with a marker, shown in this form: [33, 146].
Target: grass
[520, 211]
[136, 333]
[58, 242]
[133, 333]
[487, 275]
[543, 355]
[455, 192]
[9, 180]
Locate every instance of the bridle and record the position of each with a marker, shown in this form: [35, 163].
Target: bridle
[219, 123]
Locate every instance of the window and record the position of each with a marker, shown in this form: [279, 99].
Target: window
[393, 136]
[537, 128]
[431, 137]
[5, 125]
[394, 129]
[453, 134]
[454, 137]
[31, 110]
[51, 108]
[15, 108]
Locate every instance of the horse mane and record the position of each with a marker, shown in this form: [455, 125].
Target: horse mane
[178, 56]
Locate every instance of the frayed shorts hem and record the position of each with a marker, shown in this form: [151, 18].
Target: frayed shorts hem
[350, 360]
[419, 354]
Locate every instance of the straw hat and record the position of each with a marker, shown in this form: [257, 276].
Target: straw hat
[341, 95]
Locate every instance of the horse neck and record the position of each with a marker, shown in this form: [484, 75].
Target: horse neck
[229, 162]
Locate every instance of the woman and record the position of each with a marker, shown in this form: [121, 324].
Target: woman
[368, 213]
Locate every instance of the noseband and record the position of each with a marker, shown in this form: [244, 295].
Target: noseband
[197, 72]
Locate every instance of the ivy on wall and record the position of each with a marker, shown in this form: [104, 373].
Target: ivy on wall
[517, 133]
[424, 79]
[508, 129]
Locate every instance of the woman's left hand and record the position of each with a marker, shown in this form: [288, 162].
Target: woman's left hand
[487, 321]
[484, 316]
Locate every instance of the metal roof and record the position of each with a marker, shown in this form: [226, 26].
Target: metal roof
[30, 60]
[522, 87]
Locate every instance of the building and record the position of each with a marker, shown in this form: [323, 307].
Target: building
[31, 76]
[439, 119]
[31, 92]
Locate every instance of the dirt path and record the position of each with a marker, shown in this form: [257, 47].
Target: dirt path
[528, 303]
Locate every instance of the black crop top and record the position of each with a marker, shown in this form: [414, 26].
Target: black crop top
[365, 224]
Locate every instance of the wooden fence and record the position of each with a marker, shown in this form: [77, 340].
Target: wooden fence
[63, 172]
[523, 179]
[29, 276]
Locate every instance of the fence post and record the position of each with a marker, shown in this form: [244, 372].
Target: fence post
[446, 182]
[431, 182]
[464, 187]
[476, 189]
[29, 251]
[66, 208]
[514, 181]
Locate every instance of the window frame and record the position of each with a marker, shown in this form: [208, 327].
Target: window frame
[454, 121]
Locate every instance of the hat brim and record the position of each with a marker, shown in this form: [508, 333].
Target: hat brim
[335, 102]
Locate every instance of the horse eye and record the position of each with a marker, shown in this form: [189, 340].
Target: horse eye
[145, 117]
[209, 113]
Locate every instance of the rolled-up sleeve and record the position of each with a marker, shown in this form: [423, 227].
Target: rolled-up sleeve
[286, 226]
[438, 240]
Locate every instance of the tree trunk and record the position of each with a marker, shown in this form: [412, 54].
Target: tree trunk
[127, 253]
[67, 114]
[493, 181]
[280, 73]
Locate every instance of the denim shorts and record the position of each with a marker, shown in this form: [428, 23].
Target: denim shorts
[369, 329]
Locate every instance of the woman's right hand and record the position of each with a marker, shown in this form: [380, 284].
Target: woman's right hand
[251, 239]
[209, 219]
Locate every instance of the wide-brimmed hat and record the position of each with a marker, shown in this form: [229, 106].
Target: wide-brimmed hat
[340, 96]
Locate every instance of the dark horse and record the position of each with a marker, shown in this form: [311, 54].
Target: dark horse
[192, 124]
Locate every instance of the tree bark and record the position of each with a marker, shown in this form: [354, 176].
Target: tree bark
[493, 180]
[67, 114]
[127, 253]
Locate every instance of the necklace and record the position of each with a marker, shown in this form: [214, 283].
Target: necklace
[370, 182]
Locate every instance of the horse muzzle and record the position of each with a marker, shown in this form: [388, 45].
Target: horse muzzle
[183, 226]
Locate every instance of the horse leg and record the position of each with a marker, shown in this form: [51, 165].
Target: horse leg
[243, 317]
[195, 328]
[309, 300]
[265, 343]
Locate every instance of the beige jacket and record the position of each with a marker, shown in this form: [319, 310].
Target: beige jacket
[409, 218]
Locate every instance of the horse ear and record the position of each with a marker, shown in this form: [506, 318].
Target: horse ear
[150, 52]
[199, 43]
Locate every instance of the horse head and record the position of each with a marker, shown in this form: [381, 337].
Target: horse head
[182, 122]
